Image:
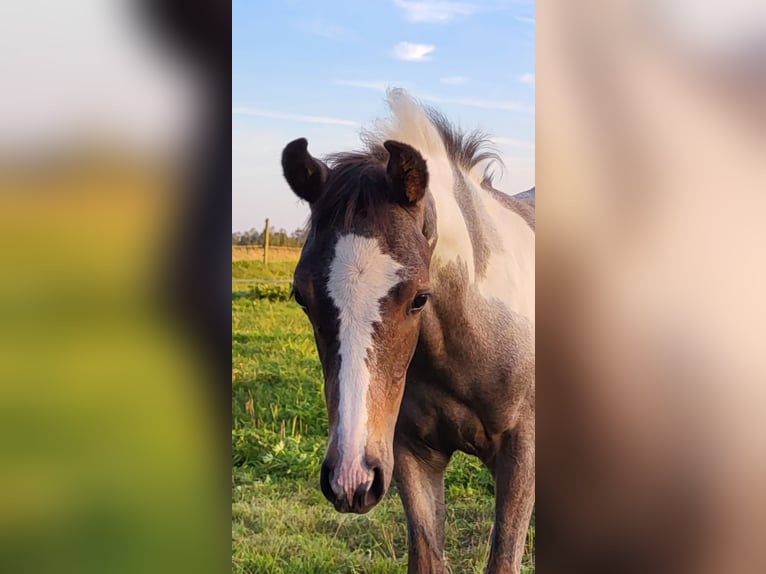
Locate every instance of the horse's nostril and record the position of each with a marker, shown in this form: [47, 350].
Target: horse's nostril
[377, 490]
[360, 496]
[324, 483]
[365, 495]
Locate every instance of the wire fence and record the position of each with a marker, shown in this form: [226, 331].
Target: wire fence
[266, 254]
[286, 249]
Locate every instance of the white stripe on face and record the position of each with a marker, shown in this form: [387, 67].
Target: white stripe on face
[360, 275]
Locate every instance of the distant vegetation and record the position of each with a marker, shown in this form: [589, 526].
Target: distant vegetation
[277, 237]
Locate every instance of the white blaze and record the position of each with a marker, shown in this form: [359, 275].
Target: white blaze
[360, 275]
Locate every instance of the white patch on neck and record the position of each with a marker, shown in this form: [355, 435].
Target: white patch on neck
[360, 275]
[510, 275]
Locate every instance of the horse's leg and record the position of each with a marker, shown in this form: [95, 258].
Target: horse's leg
[420, 480]
[514, 471]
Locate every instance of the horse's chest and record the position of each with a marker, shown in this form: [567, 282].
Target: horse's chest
[468, 432]
[431, 416]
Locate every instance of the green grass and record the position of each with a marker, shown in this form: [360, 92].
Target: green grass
[280, 521]
[270, 291]
[256, 269]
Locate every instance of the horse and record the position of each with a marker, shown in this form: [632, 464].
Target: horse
[418, 278]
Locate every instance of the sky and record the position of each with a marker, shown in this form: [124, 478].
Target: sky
[319, 70]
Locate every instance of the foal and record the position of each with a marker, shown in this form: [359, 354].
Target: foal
[418, 279]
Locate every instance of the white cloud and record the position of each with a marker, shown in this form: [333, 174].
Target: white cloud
[434, 10]
[245, 111]
[453, 80]
[527, 79]
[413, 52]
[525, 19]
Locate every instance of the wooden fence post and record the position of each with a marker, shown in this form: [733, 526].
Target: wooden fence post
[266, 243]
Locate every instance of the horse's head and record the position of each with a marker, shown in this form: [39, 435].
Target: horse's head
[363, 281]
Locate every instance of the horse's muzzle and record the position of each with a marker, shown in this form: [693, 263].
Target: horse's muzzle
[359, 497]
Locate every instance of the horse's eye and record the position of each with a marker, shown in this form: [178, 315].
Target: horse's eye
[299, 298]
[419, 302]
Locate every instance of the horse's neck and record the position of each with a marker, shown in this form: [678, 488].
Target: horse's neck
[482, 243]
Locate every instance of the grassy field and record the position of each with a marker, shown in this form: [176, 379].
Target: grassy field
[282, 270]
[277, 253]
[280, 521]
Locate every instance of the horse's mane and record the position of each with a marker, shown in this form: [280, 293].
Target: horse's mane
[426, 129]
[466, 149]
[358, 179]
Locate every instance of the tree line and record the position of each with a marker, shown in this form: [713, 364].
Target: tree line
[277, 237]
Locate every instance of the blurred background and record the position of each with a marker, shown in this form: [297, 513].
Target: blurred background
[651, 193]
[114, 340]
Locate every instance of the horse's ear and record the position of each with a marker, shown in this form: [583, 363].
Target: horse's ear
[407, 172]
[305, 175]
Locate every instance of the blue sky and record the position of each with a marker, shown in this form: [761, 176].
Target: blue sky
[302, 68]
